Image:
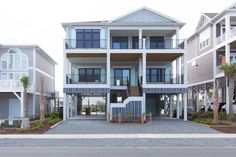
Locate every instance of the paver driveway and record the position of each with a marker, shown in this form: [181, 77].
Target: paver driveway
[161, 126]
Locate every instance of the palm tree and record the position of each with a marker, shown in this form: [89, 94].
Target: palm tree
[42, 116]
[25, 82]
[230, 72]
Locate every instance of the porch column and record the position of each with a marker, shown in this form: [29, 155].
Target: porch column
[177, 107]
[185, 106]
[140, 34]
[108, 68]
[227, 58]
[178, 76]
[22, 105]
[177, 36]
[227, 27]
[64, 106]
[140, 67]
[108, 38]
[108, 106]
[144, 104]
[144, 68]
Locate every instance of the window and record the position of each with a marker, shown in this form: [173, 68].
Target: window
[135, 42]
[122, 77]
[120, 42]
[204, 39]
[14, 65]
[155, 75]
[157, 42]
[89, 75]
[88, 38]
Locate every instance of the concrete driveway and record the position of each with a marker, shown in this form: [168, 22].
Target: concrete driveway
[160, 126]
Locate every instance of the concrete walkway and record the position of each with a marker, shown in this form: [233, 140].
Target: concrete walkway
[160, 126]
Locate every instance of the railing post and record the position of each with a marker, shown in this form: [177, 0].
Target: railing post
[119, 118]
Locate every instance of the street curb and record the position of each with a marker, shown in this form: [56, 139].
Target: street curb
[56, 124]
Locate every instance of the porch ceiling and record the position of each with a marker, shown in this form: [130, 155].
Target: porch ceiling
[125, 57]
[162, 57]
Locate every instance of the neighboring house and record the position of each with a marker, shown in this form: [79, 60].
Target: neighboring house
[212, 44]
[17, 61]
[135, 62]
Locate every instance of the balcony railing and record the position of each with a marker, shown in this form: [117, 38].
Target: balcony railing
[81, 79]
[125, 44]
[85, 44]
[220, 39]
[120, 81]
[12, 85]
[165, 79]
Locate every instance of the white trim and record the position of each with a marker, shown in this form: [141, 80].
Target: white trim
[44, 73]
[207, 81]
[17, 96]
[126, 101]
[34, 81]
[203, 54]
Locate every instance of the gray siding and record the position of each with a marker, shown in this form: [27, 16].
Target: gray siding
[48, 82]
[202, 72]
[194, 48]
[43, 64]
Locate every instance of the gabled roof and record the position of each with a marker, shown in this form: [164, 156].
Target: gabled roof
[36, 47]
[145, 14]
[141, 16]
[210, 15]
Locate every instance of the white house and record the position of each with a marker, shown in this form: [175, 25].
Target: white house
[136, 62]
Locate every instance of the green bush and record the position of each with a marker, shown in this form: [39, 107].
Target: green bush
[55, 115]
[202, 115]
[21, 130]
[37, 126]
[205, 121]
[52, 121]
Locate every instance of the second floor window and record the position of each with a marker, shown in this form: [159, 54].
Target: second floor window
[204, 39]
[88, 38]
[89, 75]
[155, 75]
[120, 42]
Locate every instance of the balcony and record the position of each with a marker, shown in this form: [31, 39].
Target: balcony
[125, 43]
[165, 79]
[12, 85]
[85, 44]
[85, 79]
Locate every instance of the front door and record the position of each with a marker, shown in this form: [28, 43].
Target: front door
[14, 108]
[122, 76]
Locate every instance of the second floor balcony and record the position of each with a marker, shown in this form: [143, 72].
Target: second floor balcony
[12, 85]
[123, 42]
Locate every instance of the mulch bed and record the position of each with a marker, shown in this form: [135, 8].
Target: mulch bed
[225, 128]
[45, 128]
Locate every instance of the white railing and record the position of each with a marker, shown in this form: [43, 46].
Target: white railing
[126, 101]
[220, 39]
[11, 85]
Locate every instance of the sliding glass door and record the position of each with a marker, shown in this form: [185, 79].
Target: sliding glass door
[121, 76]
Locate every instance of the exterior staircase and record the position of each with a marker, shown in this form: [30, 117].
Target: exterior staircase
[134, 91]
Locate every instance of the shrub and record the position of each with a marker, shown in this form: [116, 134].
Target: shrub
[202, 115]
[53, 121]
[21, 130]
[37, 126]
[55, 115]
[232, 118]
[222, 115]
